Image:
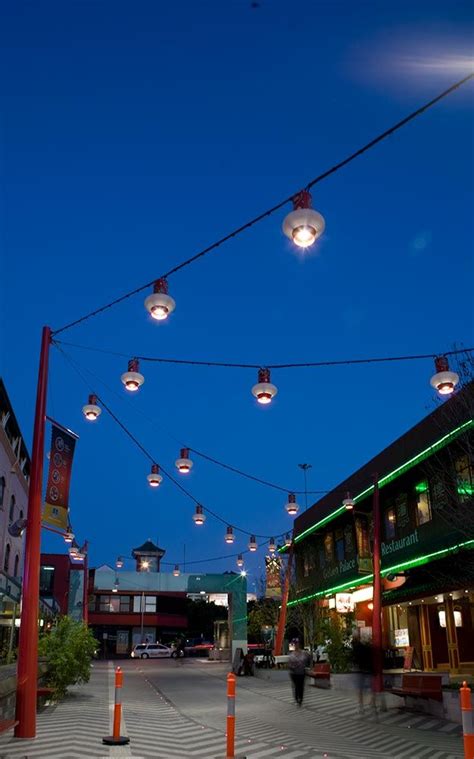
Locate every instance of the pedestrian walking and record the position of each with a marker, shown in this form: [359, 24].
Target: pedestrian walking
[297, 663]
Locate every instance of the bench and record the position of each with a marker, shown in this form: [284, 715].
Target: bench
[420, 686]
[321, 673]
[7, 724]
[45, 692]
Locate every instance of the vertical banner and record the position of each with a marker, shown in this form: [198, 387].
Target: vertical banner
[75, 601]
[56, 505]
[273, 571]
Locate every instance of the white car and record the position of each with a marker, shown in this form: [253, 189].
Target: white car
[151, 651]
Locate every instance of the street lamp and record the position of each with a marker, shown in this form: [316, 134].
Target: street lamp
[444, 381]
[348, 502]
[154, 478]
[264, 391]
[303, 225]
[159, 304]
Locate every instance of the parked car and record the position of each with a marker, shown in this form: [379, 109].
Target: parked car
[151, 651]
[198, 647]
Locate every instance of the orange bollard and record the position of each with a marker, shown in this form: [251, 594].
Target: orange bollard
[467, 714]
[116, 739]
[230, 716]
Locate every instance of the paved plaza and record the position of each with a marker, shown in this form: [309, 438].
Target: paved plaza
[175, 711]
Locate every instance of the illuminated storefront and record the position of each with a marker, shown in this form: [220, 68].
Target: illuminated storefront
[427, 507]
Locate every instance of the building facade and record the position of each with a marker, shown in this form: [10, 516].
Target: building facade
[426, 487]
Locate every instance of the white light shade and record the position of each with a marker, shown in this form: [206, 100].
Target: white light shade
[184, 463]
[240, 561]
[91, 410]
[229, 536]
[68, 537]
[288, 540]
[292, 507]
[303, 225]
[264, 391]
[444, 381]
[159, 304]
[272, 545]
[252, 544]
[154, 478]
[119, 562]
[199, 517]
[176, 571]
[132, 379]
[348, 502]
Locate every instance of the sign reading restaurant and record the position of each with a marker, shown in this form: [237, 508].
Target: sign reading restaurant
[397, 545]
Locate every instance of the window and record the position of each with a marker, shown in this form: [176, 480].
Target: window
[2, 490]
[109, 604]
[403, 515]
[390, 523]
[349, 539]
[339, 545]
[16, 566]
[329, 546]
[124, 603]
[6, 563]
[12, 509]
[149, 604]
[464, 478]
[423, 503]
[46, 580]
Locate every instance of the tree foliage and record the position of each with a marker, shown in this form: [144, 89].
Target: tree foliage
[68, 649]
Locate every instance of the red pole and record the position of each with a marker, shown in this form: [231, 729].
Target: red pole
[27, 669]
[284, 603]
[377, 683]
[85, 600]
[230, 716]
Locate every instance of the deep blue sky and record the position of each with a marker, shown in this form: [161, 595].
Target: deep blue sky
[134, 134]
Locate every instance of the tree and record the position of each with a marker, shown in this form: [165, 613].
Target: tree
[201, 618]
[68, 648]
[261, 613]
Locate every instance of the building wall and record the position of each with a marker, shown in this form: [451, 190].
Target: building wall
[14, 477]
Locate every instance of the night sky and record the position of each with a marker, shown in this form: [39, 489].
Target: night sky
[132, 135]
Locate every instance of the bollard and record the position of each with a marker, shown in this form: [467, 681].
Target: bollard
[230, 715]
[467, 714]
[116, 739]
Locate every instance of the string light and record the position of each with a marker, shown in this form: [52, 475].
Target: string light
[115, 588]
[91, 410]
[68, 537]
[348, 502]
[176, 570]
[119, 562]
[272, 545]
[444, 381]
[159, 304]
[184, 464]
[264, 391]
[303, 225]
[229, 535]
[288, 540]
[132, 379]
[154, 478]
[240, 560]
[199, 516]
[292, 507]
[252, 544]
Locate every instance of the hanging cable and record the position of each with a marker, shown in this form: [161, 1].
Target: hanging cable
[296, 365]
[148, 455]
[270, 211]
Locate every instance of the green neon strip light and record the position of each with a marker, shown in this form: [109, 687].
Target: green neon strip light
[419, 560]
[441, 443]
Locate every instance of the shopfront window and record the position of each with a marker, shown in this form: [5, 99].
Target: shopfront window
[423, 504]
[146, 604]
[464, 478]
[110, 604]
[329, 546]
[362, 538]
[124, 603]
[46, 580]
[390, 523]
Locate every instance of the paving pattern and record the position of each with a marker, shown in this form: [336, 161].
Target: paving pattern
[174, 712]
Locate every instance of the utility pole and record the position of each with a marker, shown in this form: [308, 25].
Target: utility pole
[305, 468]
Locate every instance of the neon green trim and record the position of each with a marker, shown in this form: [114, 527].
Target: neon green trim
[425, 559]
[441, 443]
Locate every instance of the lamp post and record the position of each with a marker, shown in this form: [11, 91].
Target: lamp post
[377, 684]
[85, 600]
[305, 468]
[27, 669]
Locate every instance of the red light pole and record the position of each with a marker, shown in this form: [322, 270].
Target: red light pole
[284, 604]
[85, 600]
[27, 670]
[377, 683]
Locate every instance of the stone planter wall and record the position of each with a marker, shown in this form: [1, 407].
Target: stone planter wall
[8, 688]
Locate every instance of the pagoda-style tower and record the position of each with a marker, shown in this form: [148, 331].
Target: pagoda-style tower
[148, 557]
